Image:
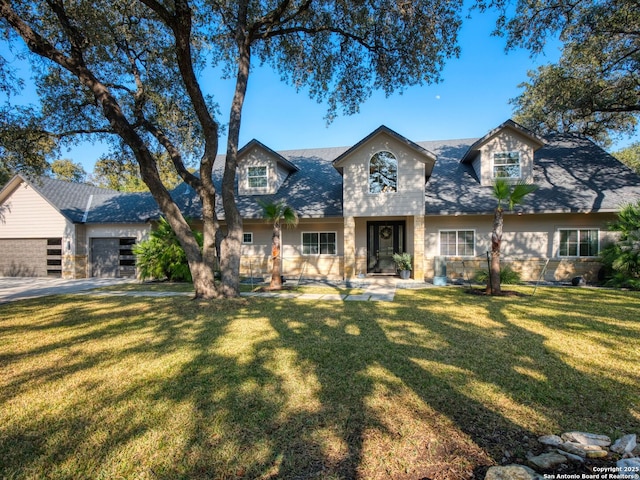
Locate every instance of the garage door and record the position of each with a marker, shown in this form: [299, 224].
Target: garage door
[112, 257]
[31, 257]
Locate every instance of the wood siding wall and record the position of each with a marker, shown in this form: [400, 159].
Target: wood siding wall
[25, 214]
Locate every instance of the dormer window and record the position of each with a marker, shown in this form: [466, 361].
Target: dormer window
[383, 173]
[257, 177]
[506, 165]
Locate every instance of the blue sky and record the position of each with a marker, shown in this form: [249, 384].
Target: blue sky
[472, 98]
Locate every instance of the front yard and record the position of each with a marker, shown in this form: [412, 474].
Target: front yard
[437, 384]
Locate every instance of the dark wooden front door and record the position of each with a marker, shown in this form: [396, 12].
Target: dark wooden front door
[383, 240]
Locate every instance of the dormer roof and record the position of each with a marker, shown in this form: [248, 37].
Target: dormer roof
[279, 158]
[508, 125]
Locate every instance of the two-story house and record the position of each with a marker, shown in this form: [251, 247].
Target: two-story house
[357, 205]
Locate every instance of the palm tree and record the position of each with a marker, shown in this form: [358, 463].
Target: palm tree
[277, 213]
[504, 192]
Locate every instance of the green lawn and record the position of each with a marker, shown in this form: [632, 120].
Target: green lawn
[437, 384]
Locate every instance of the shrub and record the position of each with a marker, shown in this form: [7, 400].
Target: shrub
[161, 256]
[623, 257]
[508, 276]
[402, 260]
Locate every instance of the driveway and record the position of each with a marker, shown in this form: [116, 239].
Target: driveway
[20, 288]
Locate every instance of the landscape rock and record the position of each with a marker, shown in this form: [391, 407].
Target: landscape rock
[625, 444]
[571, 456]
[578, 281]
[629, 467]
[550, 440]
[597, 454]
[585, 451]
[512, 472]
[585, 438]
[547, 461]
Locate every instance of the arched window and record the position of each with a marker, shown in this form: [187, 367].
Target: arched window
[383, 173]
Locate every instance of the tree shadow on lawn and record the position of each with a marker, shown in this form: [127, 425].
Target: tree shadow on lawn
[424, 387]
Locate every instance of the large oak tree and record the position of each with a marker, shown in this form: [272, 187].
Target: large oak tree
[131, 71]
[594, 88]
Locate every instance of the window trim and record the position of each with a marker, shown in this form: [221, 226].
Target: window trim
[251, 177]
[395, 158]
[318, 232]
[457, 232]
[250, 242]
[509, 152]
[578, 230]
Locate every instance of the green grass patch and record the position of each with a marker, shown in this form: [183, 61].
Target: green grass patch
[436, 384]
[149, 287]
[244, 287]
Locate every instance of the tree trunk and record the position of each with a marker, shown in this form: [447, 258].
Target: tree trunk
[493, 287]
[232, 244]
[230, 264]
[203, 280]
[276, 273]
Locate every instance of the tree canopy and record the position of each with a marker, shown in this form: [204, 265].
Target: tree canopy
[630, 156]
[131, 72]
[594, 88]
[122, 173]
[65, 169]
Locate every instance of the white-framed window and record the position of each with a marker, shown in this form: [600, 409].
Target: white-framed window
[319, 243]
[578, 242]
[257, 177]
[506, 165]
[457, 243]
[383, 173]
[247, 238]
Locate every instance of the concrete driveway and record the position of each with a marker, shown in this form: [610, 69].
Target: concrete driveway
[20, 288]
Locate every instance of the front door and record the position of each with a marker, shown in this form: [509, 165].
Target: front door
[383, 240]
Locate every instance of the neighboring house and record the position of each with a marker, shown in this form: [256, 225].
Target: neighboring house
[357, 206]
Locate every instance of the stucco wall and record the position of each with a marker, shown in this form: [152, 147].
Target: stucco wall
[409, 197]
[257, 157]
[256, 258]
[528, 241]
[505, 141]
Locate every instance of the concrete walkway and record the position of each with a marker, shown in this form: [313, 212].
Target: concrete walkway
[375, 290]
[378, 289]
[21, 288]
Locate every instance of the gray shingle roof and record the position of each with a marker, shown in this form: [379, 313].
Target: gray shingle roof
[314, 191]
[85, 203]
[70, 199]
[572, 174]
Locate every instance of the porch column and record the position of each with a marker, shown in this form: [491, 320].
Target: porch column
[349, 247]
[418, 247]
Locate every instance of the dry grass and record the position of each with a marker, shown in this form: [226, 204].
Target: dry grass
[438, 384]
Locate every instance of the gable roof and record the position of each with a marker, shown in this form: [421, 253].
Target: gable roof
[279, 158]
[572, 173]
[85, 203]
[314, 190]
[509, 124]
[428, 157]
